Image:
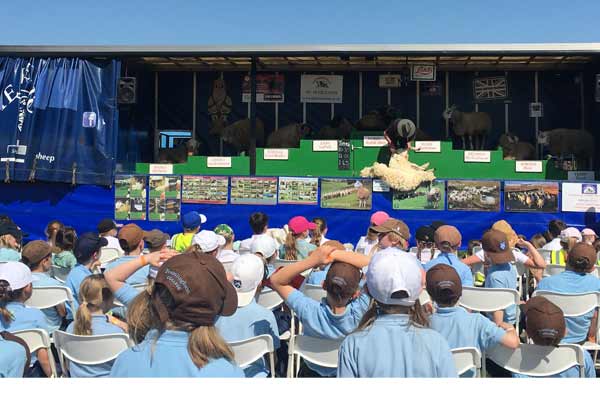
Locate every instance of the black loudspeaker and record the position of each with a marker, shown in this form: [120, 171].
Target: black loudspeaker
[126, 90]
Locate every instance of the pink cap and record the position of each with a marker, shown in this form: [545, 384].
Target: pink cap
[570, 232]
[379, 218]
[300, 224]
[588, 231]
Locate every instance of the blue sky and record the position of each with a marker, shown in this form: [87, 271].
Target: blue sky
[199, 22]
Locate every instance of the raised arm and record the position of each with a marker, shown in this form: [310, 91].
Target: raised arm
[536, 260]
[355, 259]
[116, 276]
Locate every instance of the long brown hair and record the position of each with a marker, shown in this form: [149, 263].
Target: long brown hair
[291, 253]
[8, 295]
[51, 229]
[204, 342]
[417, 315]
[94, 295]
[318, 232]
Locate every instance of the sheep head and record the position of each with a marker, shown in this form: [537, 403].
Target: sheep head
[542, 138]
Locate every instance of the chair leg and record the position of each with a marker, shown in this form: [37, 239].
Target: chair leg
[272, 364]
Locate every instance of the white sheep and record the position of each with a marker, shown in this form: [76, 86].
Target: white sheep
[288, 136]
[563, 142]
[472, 124]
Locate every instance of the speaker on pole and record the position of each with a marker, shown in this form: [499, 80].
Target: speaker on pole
[126, 93]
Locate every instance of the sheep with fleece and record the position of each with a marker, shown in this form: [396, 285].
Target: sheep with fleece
[288, 136]
[513, 149]
[563, 142]
[469, 124]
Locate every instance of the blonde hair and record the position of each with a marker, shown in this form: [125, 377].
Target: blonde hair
[291, 253]
[568, 244]
[417, 315]
[318, 232]
[396, 240]
[204, 342]
[94, 295]
[4, 241]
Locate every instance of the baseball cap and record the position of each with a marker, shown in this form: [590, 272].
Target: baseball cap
[342, 279]
[424, 233]
[208, 241]
[248, 271]
[10, 228]
[582, 256]
[263, 244]
[505, 228]
[545, 321]
[443, 283]
[587, 232]
[35, 251]
[447, 235]
[199, 289]
[16, 274]
[192, 219]
[87, 244]
[570, 232]
[495, 245]
[224, 230]
[379, 217]
[436, 224]
[393, 225]
[106, 225]
[155, 238]
[300, 224]
[394, 277]
[130, 236]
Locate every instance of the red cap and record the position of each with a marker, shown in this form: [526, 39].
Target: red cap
[300, 224]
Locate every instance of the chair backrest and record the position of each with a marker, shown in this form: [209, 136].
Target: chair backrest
[269, 299]
[553, 269]
[60, 273]
[140, 287]
[38, 339]
[488, 299]
[90, 350]
[316, 292]
[546, 254]
[108, 255]
[277, 263]
[322, 352]
[571, 304]
[248, 351]
[48, 297]
[467, 358]
[538, 361]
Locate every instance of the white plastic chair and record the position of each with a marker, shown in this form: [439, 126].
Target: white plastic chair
[269, 299]
[248, 351]
[467, 358]
[89, 350]
[48, 297]
[538, 361]
[60, 273]
[314, 291]
[38, 339]
[552, 270]
[244, 251]
[108, 255]
[546, 254]
[489, 299]
[322, 352]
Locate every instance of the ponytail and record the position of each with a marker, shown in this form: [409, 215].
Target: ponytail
[417, 315]
[6, 296]
[139, 316]
[95, 296]
[291, 253]
[318, 232]
[83, 320]
[205, 343]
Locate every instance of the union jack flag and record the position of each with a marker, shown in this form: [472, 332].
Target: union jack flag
[490, 88]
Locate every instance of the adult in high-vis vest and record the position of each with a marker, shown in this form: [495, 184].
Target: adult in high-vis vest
[191, 222]
[569, 237]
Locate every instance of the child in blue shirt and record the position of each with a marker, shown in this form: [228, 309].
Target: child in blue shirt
[448, 240]
[15, 289]
[131, 239]
[393, 338]
[10, 242]
[459, 327]
[87, 252]
[339, 313]
[176, 322]
[250, 319]
[63, 246]
[14, 356]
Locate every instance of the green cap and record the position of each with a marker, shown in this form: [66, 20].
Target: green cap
[224, 230]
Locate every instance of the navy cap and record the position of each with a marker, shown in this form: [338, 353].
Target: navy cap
[192, 220]
[10, 228]
[88, 244]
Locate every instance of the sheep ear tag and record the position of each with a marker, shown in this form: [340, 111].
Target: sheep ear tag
[502, 245]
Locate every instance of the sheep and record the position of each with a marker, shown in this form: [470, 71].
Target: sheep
[513, 149]
[472, 124]
[377, 120]
[363, 195]
[238, 133]
[339, 128]
[434, 196]
[288, 136]
[562, 142]
[180, 153]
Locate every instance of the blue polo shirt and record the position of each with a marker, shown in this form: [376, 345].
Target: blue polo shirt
[319, 321]
[126, 294]
[247, 322]
[503, 276]
[464, 271]
[303, 249]
[139, 277]
[9, 255]
[316, 277]
[12, 359]
[393, 347]
[168, 357]
[573, 372]
[52, 316]
[74, 280]
[24, 317]
[570, 282]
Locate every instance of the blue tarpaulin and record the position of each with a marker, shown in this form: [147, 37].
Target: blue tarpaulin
[58, 119]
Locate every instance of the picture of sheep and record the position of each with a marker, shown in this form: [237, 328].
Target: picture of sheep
[473, 195]
[428, 196]
[254, 190]
[347, 193]
[562, 142]
[298, 190]
[514, 149]
[531, 196]
[477, 125]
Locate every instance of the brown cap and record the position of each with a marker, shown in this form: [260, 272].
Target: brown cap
[495, 245]
[130, 236]
[342, 279]
[393, 225]
[35, 251]
[443, 283]
[545, 322]
[199, 287]
[510, 233]
[155, 238]
[447, 235]
[581, 257]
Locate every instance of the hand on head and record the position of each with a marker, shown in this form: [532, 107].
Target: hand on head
[323, 254]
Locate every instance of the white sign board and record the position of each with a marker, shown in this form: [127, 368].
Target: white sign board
[581, 175]
[477, 156]
[374, 141]
[380, 186]
[580, 197]
[276, 154]
[161, 169]
[428, 146]
[321, 88]
[218, 161]
[325, 146]
[390, 81]
[528, 166]
[536, 110]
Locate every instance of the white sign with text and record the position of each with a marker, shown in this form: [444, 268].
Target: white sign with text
[374, 141]
[218, 161]
[580, 197]
[325, 146]
[428, 146]
[477, 156]
[161, 169]
[276, 154]
[528, 166]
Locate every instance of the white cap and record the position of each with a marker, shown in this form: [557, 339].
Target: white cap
[392, 270]
[588, 231]
[247, 271]
[570, 232]
[16, 273]
[263, 244]
[208, 241]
